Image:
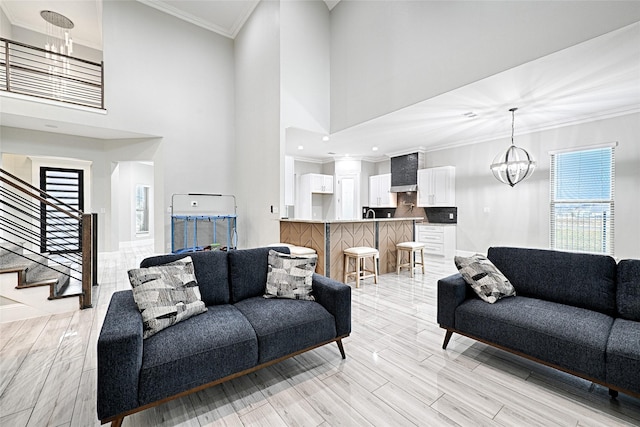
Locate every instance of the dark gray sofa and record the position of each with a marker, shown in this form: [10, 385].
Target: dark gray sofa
[240, 332]
[576, 312]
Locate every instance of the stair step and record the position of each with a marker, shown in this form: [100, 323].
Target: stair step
[72, 289]
[38, 270]
[11, 255]
[61, 284]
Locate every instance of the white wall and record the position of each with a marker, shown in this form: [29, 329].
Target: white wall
[304, 65]
[170, 78]
[386, 55]
[5, 26]
[259, 158]
[519, 216]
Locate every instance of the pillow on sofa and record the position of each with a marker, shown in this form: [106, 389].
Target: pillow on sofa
[290, 276]
[166, 294]
[485, 279]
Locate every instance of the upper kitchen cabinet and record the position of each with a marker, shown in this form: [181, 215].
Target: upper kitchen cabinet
[318, 183]
[380, 195]
[436, 186]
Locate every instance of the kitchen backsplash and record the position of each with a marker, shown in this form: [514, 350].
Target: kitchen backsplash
[407, 208]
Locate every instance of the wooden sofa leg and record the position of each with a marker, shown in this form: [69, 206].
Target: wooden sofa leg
[613, 393]
[447, 337]
[117, 422]
[341, 348]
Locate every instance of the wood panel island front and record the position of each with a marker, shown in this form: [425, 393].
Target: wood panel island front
[330, 238]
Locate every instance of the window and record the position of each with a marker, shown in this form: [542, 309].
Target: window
[582, 208]
[142, 209]
[60, 232]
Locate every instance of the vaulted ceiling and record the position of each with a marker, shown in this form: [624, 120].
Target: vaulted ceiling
[596, 79]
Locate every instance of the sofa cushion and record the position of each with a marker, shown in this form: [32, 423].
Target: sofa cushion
[199, 350]
[284, 326]
[570, 337]
[628, 291]
[248, 271]
[290, 276]
[211, 271]
[484, 278]
[166, 294]
[623, 355]
[578, 279]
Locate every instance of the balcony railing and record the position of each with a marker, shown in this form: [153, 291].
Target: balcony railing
[32, 71]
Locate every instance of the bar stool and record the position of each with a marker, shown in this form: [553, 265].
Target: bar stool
[360, 254]
[412, 248]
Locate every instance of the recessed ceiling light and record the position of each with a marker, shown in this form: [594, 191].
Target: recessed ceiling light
[374, 148]
[300, 147]
[325, 138]
[470, 115]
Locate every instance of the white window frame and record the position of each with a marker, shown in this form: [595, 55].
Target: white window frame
[578, 223]
[144, 209]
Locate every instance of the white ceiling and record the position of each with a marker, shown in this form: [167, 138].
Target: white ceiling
[596, 79]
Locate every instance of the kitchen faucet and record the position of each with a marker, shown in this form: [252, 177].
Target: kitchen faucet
[372, 211]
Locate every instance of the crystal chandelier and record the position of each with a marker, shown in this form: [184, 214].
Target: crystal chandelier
[515, 164]
[58, 33]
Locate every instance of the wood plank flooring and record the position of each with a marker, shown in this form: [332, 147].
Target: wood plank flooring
[395, 374]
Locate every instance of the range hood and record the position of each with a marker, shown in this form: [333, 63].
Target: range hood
[404, 172]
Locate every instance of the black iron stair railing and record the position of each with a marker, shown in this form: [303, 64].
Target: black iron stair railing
[22, 229]
[33, 71]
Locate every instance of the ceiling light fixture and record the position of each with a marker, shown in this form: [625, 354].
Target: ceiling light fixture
[325, 138]
[300, 147]
[374, 148]
[58, 33]
[515, 164]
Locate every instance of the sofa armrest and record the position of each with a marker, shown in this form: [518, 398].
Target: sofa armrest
[335, 297]
[119, 356]
[452, 291]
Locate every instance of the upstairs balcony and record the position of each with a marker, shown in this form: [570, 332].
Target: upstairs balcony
[33, 71]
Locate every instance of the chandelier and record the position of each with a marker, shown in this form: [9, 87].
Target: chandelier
[515, 164]
[58, 33]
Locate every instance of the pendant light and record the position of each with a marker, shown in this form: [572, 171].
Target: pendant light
[515, 164]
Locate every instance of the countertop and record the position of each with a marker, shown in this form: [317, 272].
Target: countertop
[334, 221]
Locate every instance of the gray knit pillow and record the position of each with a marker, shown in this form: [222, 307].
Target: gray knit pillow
[484, 278]
[290, 276]
[166, 294]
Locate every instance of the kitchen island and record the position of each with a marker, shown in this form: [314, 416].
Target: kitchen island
[330, 238]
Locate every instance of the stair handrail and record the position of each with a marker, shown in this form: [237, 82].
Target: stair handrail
[76, 216]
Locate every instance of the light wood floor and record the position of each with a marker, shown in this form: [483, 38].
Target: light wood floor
[395, 374]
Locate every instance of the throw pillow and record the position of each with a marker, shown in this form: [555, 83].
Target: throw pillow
[166, 294]
[484, 278]
[290, 276]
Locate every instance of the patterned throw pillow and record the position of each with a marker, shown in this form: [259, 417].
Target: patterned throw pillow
[484, 277]
[289, 276]
[166, 294]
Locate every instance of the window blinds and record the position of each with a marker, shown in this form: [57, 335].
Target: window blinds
[582, 200]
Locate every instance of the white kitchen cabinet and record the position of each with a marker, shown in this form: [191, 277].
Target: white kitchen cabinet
[319, 183]
[436, 186]
[439, 240]
[313, 188]
[379, 194]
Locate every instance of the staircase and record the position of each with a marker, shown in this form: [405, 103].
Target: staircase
[68, 271]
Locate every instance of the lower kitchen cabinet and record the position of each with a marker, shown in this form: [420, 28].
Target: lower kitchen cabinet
[439, 240]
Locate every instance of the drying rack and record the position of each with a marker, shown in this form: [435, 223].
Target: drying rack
[213, 224]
